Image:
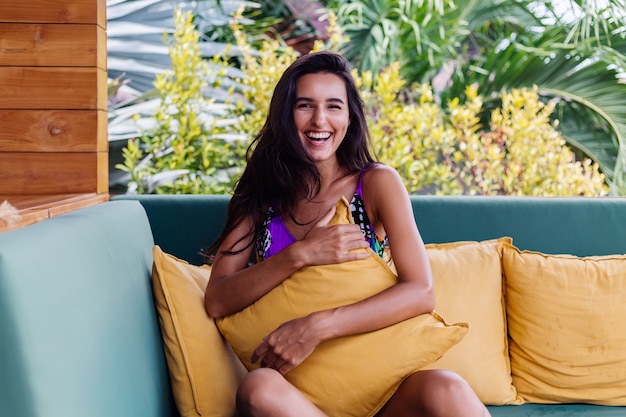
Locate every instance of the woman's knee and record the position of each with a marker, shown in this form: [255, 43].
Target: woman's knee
[258, 389]
[431, 393]
[447, 383]
[265, 392]
[447, 393]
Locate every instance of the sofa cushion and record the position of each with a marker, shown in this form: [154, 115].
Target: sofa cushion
[204, 371]
[566, 318]
[376, 362]
[79, 334]
[469, 287]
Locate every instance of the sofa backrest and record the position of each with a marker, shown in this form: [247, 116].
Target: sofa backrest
[575, 225]
[78, 328]
[182, 225]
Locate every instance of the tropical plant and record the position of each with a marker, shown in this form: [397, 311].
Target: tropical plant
[517, 152]
[189, 149]
[429, 169]
[573, 51]
[137, 54]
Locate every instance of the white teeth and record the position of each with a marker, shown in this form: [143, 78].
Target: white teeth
[318, 136]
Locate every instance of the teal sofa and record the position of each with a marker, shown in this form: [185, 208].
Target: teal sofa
[79, 334]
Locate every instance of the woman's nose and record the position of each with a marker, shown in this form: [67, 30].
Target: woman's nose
[319, 116]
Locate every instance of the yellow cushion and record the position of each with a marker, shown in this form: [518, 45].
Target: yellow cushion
[354, 375]
[469, 287]
[567, 323]
[204, 371]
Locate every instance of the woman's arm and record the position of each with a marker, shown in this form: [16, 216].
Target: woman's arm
[233, 285]
[389, 207]
[391, 212]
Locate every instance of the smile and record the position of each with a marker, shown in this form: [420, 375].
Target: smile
[321, 136]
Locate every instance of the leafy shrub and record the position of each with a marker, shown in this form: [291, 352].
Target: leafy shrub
[261, 69]
[520, 152]
[190, 149]
[437, 151]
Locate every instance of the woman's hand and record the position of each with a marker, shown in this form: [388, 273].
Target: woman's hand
[289, 345]
[325, 244]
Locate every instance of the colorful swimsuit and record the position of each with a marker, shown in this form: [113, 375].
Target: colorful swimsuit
[275, 236]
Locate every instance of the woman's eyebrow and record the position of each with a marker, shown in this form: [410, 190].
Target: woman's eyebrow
[328, 100]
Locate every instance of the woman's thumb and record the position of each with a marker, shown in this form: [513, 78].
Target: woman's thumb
[327, 217]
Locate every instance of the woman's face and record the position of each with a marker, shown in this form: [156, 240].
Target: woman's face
[321, 114]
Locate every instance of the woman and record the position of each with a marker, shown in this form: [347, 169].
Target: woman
[312, 151]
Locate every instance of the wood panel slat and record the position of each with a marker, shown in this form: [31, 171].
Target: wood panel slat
[23, 218]
[54, 11]
[56, 45]
[102, 137]
[51, 173]
[50, 130]
[52, 88]
[32, 209]
[102, 172]
[101, 46]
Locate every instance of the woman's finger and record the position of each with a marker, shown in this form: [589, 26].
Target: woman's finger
[259, 352]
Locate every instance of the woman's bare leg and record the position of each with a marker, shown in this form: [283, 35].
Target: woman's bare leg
[434, 393]
[265, 392]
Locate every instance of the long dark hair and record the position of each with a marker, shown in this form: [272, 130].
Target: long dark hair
[279, 169]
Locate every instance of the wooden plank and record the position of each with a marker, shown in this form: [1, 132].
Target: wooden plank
[54, 45]
[32, 209]
[22, 218]
[53, 11]
[102, 135]
[102, 93]
[52, 88]
[101, 48]
[24, 173]
[102, 172]
[101, 11]
[76, 202]
[51, 130]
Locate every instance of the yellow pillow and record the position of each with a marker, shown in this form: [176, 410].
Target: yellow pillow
[469, 287]
[353, 375]
[204, 371]
[567, 324]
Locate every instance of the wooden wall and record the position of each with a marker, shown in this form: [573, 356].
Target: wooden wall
[53, 100]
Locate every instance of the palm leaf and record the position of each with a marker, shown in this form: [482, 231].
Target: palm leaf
[587, 91]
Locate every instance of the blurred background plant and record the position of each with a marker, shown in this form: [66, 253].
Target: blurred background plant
[449, 152]
[138, 54]
[190, 149]
[573, 51]
[469, 140]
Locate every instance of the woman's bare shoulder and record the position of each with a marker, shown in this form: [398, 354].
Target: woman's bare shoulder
[380, 177]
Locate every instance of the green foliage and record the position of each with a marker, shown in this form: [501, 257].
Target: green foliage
[520, 153]
[261, 70]
[187, 151]
[437, 149]
[573, 51]
[446, 151]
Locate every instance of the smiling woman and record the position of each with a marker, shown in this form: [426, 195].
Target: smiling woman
[312, 152]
